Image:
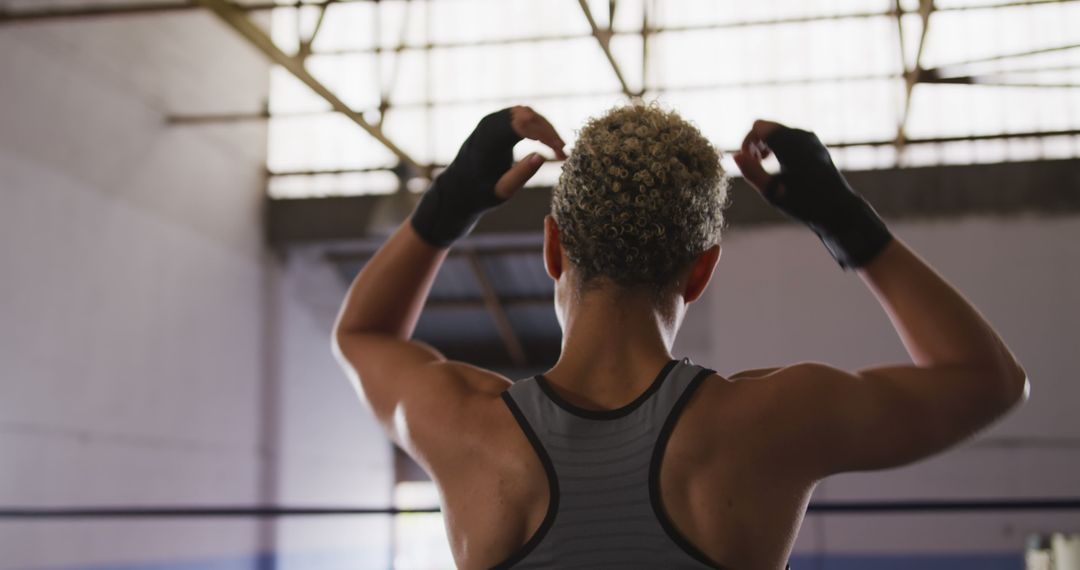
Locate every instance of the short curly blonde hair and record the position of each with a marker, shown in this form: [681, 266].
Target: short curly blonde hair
[641, 195]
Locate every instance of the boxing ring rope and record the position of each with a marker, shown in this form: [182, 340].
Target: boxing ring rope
[847, 507]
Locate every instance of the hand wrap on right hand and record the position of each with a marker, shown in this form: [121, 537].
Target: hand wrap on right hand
[453, 204]
[815, 193]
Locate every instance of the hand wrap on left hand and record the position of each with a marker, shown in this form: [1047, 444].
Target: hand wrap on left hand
[816, 194]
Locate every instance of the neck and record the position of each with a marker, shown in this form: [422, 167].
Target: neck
[613, 346]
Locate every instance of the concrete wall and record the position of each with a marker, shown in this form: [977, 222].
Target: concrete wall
[777, 298]
[133, 345]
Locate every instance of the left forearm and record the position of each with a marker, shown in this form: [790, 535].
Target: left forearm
[389, 292]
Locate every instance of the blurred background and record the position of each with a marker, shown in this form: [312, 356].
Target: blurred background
[189, 188]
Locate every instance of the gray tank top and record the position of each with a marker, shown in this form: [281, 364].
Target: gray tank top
[603, 476]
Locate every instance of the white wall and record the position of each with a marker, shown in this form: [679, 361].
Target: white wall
[132, 337]
[332, 452]
[777, 298]
[152, 352]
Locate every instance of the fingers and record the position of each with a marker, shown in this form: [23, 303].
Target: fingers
[518, 175]
[752, 151]
[754, 141]
[750, 166]
[753, 146]
[532, 125]
[763, 128]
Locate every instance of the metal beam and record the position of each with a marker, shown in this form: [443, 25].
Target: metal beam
[436, 304]
[235, 117]
[1046, 187]
[236, 19]
[603, 37]
[646, 7]
[51, 13]
[305, 43]
[388, 168]
[498, 314]
[963, 138]
[913, 73]
[362, 254]
[1007, 72]
[224, 118]
[949, 68]
[497, 41]
[832, 145]
[986, 81]
[8, 16]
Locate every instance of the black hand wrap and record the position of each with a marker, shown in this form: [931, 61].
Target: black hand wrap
[816, 194]
[454, 202]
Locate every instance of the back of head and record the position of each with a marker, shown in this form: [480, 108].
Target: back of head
[640, 197]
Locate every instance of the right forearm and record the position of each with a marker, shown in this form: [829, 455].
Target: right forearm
[936, 324]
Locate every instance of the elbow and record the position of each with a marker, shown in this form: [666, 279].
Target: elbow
[335, 348]
[338, 331]
[1021, 387]
[1017, 387]
[341, 333]
[1024, 388]
[338, 342]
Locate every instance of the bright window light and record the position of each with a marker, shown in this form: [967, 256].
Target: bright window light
[425, 71]
[419, 538]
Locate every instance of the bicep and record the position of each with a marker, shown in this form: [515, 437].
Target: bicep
[431, 407]
[881, 417]
[391, 374]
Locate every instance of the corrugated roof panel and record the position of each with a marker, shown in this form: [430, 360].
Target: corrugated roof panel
[518, 275]
[455, 280]
[459, 325]
[534, 322]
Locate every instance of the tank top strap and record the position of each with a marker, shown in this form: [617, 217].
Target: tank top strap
[541, 405]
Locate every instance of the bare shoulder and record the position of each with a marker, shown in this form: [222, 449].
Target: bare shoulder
[754, 413]
[747, 393]
[728, 409]
[774, 397]
[458, 417]
[474, 390]
[477, 382]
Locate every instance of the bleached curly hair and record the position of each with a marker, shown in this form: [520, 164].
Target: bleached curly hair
[641, 195]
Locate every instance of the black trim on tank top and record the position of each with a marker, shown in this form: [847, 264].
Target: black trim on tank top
[654, 472]
[553, 487]
[616, 413]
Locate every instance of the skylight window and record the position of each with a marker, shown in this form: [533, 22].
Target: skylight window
[996, 80]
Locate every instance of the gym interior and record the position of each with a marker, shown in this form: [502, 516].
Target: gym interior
[187, 190]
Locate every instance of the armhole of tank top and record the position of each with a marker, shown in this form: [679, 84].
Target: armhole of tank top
[654, 472]
[553, 487]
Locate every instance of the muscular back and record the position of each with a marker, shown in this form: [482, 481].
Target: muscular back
[725, 481]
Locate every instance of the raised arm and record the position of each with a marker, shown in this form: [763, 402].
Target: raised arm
[399, 378]
[962, 376]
